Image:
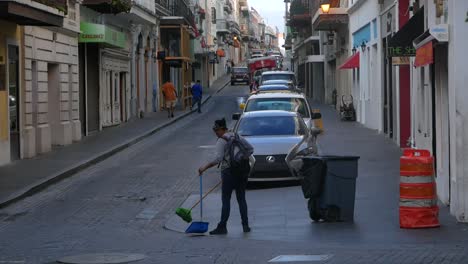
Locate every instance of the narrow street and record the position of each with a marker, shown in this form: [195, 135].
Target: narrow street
[122, 204]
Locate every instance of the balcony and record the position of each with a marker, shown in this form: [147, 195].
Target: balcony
[300, 15]
[162, 7]
[109, 6]
[35, 13]
[222, 26]
[234, 27]
[243, 3]
[332, 20]
[228, 7]
[179, 13]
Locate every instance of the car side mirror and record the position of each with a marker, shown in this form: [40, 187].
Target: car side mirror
[236, 116]
[316, 116]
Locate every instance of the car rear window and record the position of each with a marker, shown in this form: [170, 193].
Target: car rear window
[279, 76]
[286, 104]
[271, 126]
[240, 70]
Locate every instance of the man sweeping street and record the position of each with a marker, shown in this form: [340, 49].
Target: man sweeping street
[232, 157]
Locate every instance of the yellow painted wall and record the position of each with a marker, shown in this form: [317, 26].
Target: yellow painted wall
[3, 116]
[9, 31]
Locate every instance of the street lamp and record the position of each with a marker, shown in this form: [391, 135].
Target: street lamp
[363, 46]
[325, 8]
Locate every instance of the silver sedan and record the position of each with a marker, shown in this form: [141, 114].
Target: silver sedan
[277, 136]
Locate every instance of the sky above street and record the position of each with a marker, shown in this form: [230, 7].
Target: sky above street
[271, 10]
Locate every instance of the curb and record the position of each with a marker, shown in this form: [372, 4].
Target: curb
[68, 172]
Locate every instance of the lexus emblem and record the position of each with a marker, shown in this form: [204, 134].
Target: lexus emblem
[270, 159]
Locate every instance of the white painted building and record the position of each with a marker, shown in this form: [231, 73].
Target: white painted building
[364, 31]
[51, 104]
[438, 95]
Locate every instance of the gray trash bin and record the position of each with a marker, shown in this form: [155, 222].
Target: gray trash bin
[338, 196]
[335, 200]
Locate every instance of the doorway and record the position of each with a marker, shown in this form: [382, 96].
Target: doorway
[387, 93]
[13, 101]
[53, 82]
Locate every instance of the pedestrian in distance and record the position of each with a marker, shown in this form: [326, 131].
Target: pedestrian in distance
[197, 93]
[170, 97]
[155, 95]
[233, 154]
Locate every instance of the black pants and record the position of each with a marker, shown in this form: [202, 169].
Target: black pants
[197, 101]
[230, 183]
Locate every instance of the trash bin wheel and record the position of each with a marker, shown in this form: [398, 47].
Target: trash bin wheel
[314, 210]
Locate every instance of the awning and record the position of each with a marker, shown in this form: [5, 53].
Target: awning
[351, 63]
[424, 55]
[98, 33]
[401, 44]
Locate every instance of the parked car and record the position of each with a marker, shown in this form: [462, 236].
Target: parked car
[274, 88]
[240, 74]
[277, 137]
[278, 75]
[284, 82]
[292, 102]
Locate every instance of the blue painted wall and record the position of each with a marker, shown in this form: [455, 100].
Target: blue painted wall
[363, 34]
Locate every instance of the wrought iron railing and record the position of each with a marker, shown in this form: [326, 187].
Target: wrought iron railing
[182, 9]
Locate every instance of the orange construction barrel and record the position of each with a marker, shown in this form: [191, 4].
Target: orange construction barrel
[418, 193]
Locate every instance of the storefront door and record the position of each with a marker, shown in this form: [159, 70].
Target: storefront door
[13, 101]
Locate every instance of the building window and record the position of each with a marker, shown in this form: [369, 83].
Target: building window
[213, 15]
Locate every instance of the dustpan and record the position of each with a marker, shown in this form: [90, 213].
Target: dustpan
[199, 227]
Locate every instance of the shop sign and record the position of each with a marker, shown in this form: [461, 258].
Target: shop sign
[97, 33]
[440, 32]
[397, 61]
[424, 55]
[408, 51]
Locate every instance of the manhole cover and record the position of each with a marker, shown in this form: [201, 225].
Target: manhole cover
[300, 258]
[102, 258]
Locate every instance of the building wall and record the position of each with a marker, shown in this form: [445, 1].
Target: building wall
[458, 108]
[367, 80]
[51, 76]
[9, 34]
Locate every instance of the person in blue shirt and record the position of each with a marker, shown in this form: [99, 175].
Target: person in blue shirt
[197, 93]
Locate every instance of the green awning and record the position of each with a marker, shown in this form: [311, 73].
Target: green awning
[98, 33]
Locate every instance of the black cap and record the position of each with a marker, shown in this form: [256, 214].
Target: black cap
[220, 124]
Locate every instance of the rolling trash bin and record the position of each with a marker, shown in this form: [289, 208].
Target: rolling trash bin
[329, 182]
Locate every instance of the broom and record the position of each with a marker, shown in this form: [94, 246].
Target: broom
[186, 214]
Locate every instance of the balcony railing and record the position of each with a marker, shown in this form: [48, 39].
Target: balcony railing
[300, 13]
[162, 7]
[180, 8]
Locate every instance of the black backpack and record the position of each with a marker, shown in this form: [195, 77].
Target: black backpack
[239, 151]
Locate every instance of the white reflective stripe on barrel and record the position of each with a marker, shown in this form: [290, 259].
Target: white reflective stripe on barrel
[416, 179]
[418, 202]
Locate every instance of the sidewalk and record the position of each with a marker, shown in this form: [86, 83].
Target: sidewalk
[281, 213]
[25, 177]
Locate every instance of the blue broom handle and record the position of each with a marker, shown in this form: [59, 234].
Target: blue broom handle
[201, 198]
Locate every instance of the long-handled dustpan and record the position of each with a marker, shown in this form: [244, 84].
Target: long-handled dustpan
[199, 227]
[186, 214]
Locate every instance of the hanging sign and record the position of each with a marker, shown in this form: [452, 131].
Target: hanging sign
[424, 55]
[398, 61]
